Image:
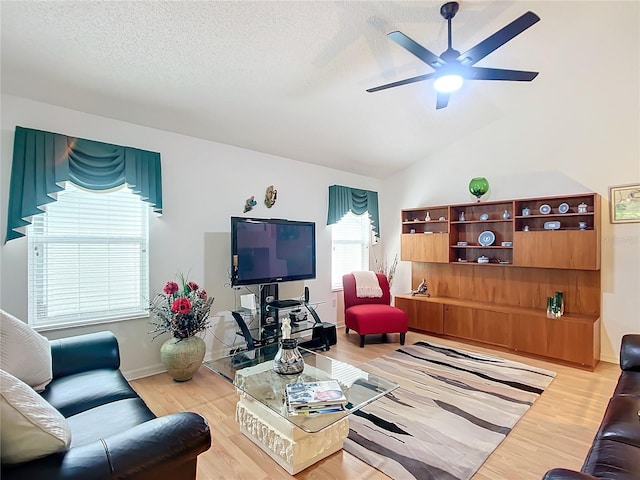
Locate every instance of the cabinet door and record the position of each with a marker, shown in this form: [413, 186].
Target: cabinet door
[574, 249]
[492, 327]
[430, 317]
[574, 340]
[458, 321]
[421, 247]
[410, 307]
[422, 315]
[529, 333]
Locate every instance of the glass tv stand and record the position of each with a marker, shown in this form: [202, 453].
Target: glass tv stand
[264, 327]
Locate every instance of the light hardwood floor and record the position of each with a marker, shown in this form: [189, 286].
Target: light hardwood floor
[556, 432]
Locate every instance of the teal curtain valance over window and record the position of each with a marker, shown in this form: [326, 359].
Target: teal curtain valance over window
[346, 199]
[43, 161]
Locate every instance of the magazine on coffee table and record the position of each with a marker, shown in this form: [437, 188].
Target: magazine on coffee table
[316, 410]
[322, 394]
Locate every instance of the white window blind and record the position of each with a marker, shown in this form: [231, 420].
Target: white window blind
[350, 239]
[88, 258]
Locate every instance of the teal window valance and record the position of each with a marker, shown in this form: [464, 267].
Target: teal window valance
[346, 199]
[43, 161]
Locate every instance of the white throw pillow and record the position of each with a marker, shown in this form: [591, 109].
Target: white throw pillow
[24, 353]
[31, 427]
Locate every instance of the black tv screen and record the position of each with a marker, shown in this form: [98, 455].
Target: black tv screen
[271, 250]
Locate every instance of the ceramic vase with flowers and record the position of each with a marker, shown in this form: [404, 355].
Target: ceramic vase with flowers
[183, 311]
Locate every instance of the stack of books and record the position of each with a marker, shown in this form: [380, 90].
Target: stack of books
[314, 398]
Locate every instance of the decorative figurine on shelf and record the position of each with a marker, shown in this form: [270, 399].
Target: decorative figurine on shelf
[270, 196]
[422, 289]
[478, 187]
[582, 208]
[462, 219]
[288, 359]
[506, 215]
[249, 204]
[286, 328]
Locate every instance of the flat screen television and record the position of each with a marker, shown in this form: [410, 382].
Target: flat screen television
[269, 250]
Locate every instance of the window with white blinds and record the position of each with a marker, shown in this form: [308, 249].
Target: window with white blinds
[88, 258]
[350, 239]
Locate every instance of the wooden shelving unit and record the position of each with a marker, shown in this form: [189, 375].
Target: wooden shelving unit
[503, 302]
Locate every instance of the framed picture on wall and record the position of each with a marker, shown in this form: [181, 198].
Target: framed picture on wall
[624, 203]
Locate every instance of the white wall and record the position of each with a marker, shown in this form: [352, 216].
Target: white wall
[204, 183]
[583, 138]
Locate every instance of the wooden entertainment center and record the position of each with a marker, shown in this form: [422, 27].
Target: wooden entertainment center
[503, 302]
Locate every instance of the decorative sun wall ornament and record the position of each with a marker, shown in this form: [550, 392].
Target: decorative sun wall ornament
[270, 196]
[249, 204]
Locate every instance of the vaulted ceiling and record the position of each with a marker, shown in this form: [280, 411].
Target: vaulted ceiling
[288, 78]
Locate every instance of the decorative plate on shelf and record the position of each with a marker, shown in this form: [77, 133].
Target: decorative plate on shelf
[563, 207]
[545, 209]
[484, 216]
[486, 238]
[551, 225]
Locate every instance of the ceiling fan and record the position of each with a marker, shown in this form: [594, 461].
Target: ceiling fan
[451, 67]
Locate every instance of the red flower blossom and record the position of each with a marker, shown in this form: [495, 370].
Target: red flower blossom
[170, 288]
[181, 306]
[203, 294]
[193, 286]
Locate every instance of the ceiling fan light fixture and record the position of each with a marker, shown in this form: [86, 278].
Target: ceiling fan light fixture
[448, 83]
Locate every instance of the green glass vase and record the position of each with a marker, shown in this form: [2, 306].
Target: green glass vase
[478, 186]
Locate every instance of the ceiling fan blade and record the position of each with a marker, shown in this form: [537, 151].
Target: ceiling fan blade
[502, 36]
[406, 81]
[418, 50]
[442, 100]
[481, 73]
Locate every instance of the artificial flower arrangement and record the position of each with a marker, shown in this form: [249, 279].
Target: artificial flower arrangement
[182, 310]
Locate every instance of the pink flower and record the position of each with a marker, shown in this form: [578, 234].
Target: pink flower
[170, 288]
[193, 286]
[203, 294]
[181, 306]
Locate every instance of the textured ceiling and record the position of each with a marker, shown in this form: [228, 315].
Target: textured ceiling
[285, 78]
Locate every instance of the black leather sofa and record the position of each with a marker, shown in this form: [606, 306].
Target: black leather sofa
[113, 432]
[615, 453]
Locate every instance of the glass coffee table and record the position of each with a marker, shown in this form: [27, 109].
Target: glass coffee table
[296, 441]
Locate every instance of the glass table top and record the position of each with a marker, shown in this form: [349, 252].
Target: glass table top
[252, 372]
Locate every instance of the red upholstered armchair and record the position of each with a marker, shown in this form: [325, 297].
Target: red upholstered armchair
[368, 315]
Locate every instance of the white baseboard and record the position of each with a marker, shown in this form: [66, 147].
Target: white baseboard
[150, 370]
[610, 359]
[137, 373]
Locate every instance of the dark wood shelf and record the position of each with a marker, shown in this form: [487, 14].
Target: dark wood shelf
[412, 222]
[501, 220]
[480, 246]
[540, 215]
